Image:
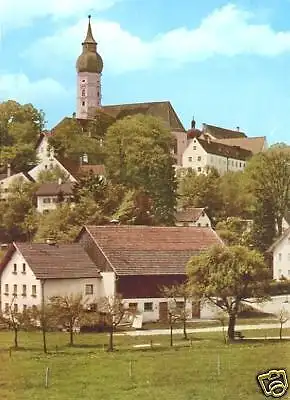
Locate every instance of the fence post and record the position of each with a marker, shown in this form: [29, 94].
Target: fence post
[46, 377]
[218, 365]
[130, 368]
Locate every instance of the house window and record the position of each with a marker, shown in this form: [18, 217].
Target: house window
[199, 169]
[133, 306]
[33, 290]
[14, 268]
[83, 80]
[198, 224]
[45, 166]
[24, 307]
[240, 164]
[190, 159]
[6, 291]
[83, 92]
[14, 290]
[83, 103]
[194, 147]
[207, 225]
[15, 307]
[89, 289]
[199, 158]
[24, 268]
[6, 308]
[24, 290]
[148, 306]
[46, 200]
[280, 256]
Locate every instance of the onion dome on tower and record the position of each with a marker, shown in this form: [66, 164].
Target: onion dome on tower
[90, 60]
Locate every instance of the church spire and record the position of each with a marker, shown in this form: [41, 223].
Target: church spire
[89, 38]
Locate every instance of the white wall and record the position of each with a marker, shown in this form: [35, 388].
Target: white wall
[202, 221]
[43, 206]
[89, 84]
[13, 179]
[281, 259]
[19, 279]
[45, 165]
[108, 284]
[67, 287]
[153, 316]
[190, 157]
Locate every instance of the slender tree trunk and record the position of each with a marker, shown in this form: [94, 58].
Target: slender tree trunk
[71, 333]
[171, 331]
[111, 343]
[184, 328]
[44, 338]
[280, 331]
[15, 337]
[231, 326]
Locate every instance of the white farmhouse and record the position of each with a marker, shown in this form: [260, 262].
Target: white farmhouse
[280, 250]
[202, 154]
[6, 181]
[48, 195]
[49, 163]
[192, 216]
[31, 273]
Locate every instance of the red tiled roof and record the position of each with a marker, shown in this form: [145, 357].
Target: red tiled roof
[146, 250]
[221, 149]
[53, 189]
[190, 214]
[222, 133]
[60, 261]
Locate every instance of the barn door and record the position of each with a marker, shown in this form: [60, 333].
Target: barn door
[163, 311]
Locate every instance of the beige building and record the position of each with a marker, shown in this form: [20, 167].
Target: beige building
[192, 216]
[48, 195]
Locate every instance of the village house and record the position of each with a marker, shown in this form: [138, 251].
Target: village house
[33, 272]
[280, 251]
[139, 260]
[192, 216]
[9, 179]
[48, 195]
[202, 154]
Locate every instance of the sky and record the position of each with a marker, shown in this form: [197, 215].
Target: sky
[225, 63]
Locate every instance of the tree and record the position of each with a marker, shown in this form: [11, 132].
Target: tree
[269, 173]
[201, 190]
[178, 295]
[138, 156]
[20, 126]
[44, 318]
[228, 276]
[52, 175]
[115, 311]
[70, 140]
[234, 231]
[283, 317]
[16, 320]
[68, 311]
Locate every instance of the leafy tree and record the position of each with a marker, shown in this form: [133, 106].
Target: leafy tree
[201, 190]
[19, 204]
[235, 231]
[228, 276]
[68, 311]
[178, 295]
[264, 223]
[20, 126]
[52, 175]
[135, 209]
[71, 141]
[138, 156]
[269, 173]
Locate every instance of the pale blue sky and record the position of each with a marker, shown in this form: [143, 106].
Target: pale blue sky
[226, 63]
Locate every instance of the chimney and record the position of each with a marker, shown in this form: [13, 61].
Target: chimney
[193, 123]
[8, 170]
[238, 129]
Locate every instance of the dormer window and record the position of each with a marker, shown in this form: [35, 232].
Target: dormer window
[83, 92]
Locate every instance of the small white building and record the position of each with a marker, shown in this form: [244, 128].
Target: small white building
[43, 149]
[32, 272]
[6, 181]
[280, 250]
[49, 163]
[192, 216]
[202, 154]
[48, 195]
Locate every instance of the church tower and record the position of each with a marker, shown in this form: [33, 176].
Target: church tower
[89, 71]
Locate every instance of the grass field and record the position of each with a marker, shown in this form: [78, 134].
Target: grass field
[208, 369]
